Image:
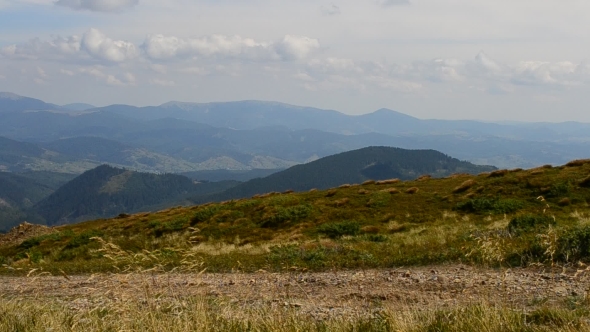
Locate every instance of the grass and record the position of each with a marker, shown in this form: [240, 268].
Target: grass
[459, 219]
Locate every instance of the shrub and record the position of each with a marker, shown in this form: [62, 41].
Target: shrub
[525, 223]
[585, 182]
[490, 205]
[559, 189]
[412, 190]
[205, 214]
[282, 215]
[578, 163]
[574, 244]
[338, 229]
[498, 173]
[331, 193]
[376, 238]
[83, 238]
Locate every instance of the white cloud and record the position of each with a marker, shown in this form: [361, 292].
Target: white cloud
[101, 47]
[296, 47]
[161, 47]
[93, 45]
[98, 5]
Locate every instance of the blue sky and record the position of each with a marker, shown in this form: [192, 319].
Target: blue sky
[449, 59]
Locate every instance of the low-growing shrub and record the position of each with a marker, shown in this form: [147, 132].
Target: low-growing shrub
[490, 205]
[521, 224]
[338, 229]
[574, 244]
[83, 238]
[282, 215]
[167, 227]
[205, 214]
[559, 189]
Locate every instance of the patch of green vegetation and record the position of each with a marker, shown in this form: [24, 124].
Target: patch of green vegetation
[161, 228]
[282, 215]
[529, 223]
[490, 205]
[335, 230]
[83, 238]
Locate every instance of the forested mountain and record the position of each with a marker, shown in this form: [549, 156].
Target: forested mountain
[19, 192]
[107, 191]
[372, 163]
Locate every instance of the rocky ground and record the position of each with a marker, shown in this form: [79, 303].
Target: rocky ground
[322, 294]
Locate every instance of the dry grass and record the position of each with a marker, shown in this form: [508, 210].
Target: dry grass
[466, 185]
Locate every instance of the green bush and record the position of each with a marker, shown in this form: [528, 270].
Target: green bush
[83, 239]
[167, 227]
[526, 223]
[282, 215]
[338, 229]
[574, 244]
[490, 205]
[559, 189]
[205, 214]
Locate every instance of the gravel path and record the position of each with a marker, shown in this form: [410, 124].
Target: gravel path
[322, 294]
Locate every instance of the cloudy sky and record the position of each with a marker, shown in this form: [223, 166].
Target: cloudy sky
[448, 59]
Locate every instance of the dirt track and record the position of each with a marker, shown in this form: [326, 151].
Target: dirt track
[321, 294]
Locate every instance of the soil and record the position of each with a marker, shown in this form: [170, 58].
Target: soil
[324, 294]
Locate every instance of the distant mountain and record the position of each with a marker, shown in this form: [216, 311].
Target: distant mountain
[372, 163]
[246, 135]
[107, 191]
[78, 107]
[10, 102]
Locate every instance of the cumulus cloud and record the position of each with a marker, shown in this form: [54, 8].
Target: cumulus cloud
[100, 46]
[98, 5]
[161, 47]
[93, 45]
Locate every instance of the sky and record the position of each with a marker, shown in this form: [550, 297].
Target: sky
[502, 60]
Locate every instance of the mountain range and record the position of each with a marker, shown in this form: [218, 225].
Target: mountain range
[187, 137]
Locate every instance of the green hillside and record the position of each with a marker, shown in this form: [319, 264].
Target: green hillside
[500, 218]
[356, 166]
[107, 191]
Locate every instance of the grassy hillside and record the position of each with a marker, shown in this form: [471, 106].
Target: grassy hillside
[356, 166]
[509, 218]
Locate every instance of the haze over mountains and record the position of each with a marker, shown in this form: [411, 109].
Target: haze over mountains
[246, 135]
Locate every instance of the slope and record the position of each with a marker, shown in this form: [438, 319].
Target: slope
[107, 191]
[372, 163]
